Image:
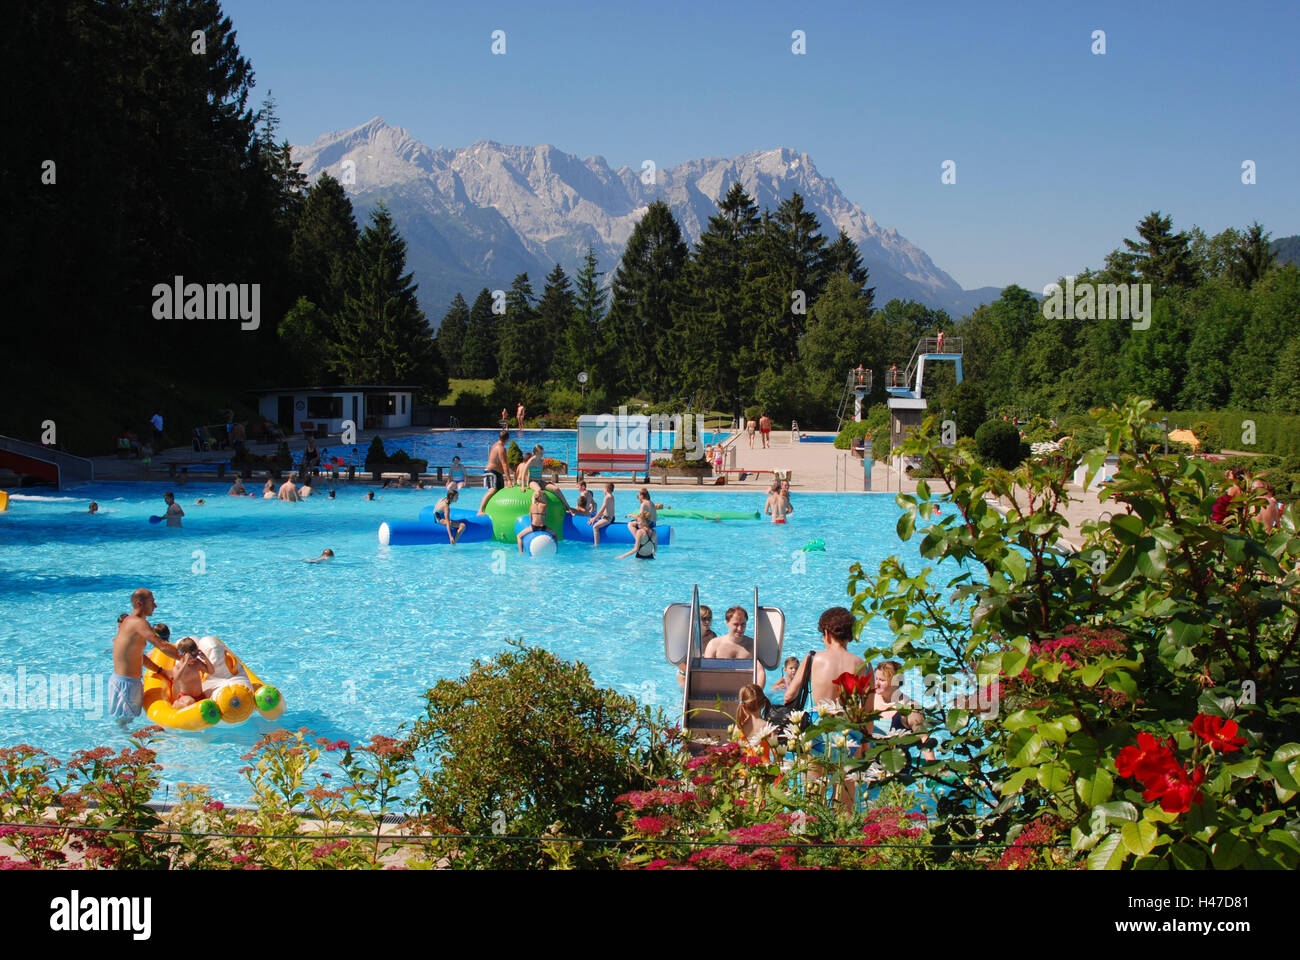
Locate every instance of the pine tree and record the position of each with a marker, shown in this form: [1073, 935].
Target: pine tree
[1251, 256]
[451, 335]
[382, 334]
[581, 347]
[792, 275]
[1160, 257]
[843, 256]
[517, 354]
[647, 293]
[718, 280]
[482, 340]
[324, 240]
[554, 316]
[838, 339]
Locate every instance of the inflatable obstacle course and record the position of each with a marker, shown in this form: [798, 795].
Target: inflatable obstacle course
[507, 514]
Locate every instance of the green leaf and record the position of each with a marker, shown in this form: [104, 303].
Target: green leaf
[906, 526]
[1053, 731]
[1139, 837]
[1019, 719]
[955, 720]
[1188, 855]
[1053, 777]
[1116, 810]
[1110, 854]
[1228, 852]
[1090, 675]
[1014, 565]
[1095, 790]
[1126, 529]
[922, 490]
[1023, 748]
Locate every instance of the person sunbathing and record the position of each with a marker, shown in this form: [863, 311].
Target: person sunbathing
[187, 673]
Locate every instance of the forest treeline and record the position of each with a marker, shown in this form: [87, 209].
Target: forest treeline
[142, 161]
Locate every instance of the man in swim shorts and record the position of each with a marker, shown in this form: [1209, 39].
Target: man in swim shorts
[498, 467]
[125, 686]
[237, 489]
[765, 428]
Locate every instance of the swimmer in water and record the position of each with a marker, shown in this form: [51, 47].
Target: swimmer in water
[94, 507]
[325, 554]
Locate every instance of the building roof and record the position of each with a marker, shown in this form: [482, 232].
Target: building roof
[342, 388]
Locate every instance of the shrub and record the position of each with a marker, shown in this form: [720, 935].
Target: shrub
[474, 409]
[1207, 435]
[969, 403]
[1150, 680]
[527, 744]
[514, 455]
[998, 443]
[376, 453]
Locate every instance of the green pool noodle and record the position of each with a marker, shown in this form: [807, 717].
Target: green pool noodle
[685, 514]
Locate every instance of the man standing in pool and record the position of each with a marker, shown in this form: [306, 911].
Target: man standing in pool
[174, 511]
[497, 467]
[734, 645]
[125, 686]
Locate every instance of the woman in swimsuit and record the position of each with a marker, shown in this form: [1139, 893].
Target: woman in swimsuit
[646, 539]
[442, 514]
[457, 474]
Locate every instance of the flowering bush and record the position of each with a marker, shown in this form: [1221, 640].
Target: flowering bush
[1123, 668]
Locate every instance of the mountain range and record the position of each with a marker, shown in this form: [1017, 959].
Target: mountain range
[476, 216]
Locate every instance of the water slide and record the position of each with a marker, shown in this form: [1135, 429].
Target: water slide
[45, 463]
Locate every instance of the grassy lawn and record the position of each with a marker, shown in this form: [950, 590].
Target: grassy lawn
[459, 386]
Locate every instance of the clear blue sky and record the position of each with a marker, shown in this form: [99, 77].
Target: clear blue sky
[1059, 152]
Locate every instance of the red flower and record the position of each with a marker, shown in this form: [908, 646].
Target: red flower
[1175, 790]
[1147, 760]
[1218, 733]
[854, 684]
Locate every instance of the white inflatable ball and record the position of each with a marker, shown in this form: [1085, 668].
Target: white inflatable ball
[542, 545]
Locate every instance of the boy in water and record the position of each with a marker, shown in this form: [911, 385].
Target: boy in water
[536, 518]
[187, 682]
[586, 502]
[791, 665]
[605, 517]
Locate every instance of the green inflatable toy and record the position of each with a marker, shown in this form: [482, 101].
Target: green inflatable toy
[512, 503]
[818, 544]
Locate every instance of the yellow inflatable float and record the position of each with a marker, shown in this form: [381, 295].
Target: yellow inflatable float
[233, 692]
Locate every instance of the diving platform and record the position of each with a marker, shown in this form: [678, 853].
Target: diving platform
[905, 387]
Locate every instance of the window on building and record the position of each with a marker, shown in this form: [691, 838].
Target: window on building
[325, 408]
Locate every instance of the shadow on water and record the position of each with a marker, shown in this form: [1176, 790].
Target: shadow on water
[19, 582]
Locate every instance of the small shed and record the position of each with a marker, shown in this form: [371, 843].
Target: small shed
[325, 409]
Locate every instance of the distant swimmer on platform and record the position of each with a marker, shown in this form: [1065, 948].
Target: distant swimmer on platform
[498, 467]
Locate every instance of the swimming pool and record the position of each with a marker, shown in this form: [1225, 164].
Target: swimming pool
[353, 643]
[472, 445]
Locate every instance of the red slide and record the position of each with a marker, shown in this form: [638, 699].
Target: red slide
[29, 466]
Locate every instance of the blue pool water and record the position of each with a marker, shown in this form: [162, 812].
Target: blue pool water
[472, 445]
[354, 642]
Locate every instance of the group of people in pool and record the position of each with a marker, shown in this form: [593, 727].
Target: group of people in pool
[126, 685]
[814, 677]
